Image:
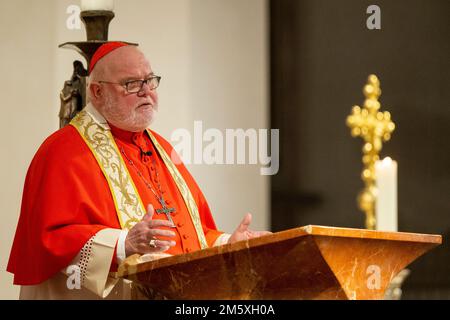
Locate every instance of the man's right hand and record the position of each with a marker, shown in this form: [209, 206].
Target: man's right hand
[139, 237]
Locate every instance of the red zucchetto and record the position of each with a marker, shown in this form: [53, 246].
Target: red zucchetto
[103, 50]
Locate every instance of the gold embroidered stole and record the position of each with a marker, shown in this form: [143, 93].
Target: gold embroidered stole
[128, 204]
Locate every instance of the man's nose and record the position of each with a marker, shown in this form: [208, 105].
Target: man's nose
[146, 91]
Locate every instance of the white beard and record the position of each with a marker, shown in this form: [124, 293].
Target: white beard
[126, 120]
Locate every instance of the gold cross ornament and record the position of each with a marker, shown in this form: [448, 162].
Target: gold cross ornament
[375, 127]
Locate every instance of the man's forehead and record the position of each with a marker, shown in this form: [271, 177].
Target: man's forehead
[128, 62]
[130, 74]
[131, 69]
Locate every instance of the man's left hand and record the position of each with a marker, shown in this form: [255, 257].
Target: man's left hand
[243, 232]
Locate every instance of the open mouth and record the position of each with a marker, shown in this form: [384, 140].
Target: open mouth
[147, 104]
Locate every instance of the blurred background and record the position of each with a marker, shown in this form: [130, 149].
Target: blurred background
[321, 54]
[295, 65]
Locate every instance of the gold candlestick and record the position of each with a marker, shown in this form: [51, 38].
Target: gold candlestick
[375, 127]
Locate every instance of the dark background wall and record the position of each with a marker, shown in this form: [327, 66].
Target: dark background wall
[321, 55]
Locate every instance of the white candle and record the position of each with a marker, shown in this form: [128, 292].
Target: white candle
[386, 203]
[87, 5]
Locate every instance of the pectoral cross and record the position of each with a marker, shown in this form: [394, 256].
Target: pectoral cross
[165, 209]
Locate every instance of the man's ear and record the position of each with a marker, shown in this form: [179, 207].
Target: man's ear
[95, 91]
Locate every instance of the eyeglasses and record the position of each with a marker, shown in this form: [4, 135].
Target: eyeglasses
[135, 86]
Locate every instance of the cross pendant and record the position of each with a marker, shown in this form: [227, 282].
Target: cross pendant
[165, 209]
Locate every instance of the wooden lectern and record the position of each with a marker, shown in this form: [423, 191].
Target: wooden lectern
[311, 262]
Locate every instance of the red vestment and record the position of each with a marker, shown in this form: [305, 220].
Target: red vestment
[67, 200]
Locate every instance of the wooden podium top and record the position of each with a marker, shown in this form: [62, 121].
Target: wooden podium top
[311, 262]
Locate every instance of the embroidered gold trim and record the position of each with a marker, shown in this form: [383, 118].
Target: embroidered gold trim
[185, 191]
[129, 206]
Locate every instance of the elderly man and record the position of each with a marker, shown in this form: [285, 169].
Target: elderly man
[105, 187]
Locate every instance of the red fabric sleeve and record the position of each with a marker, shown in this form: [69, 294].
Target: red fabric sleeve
[65, 202]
